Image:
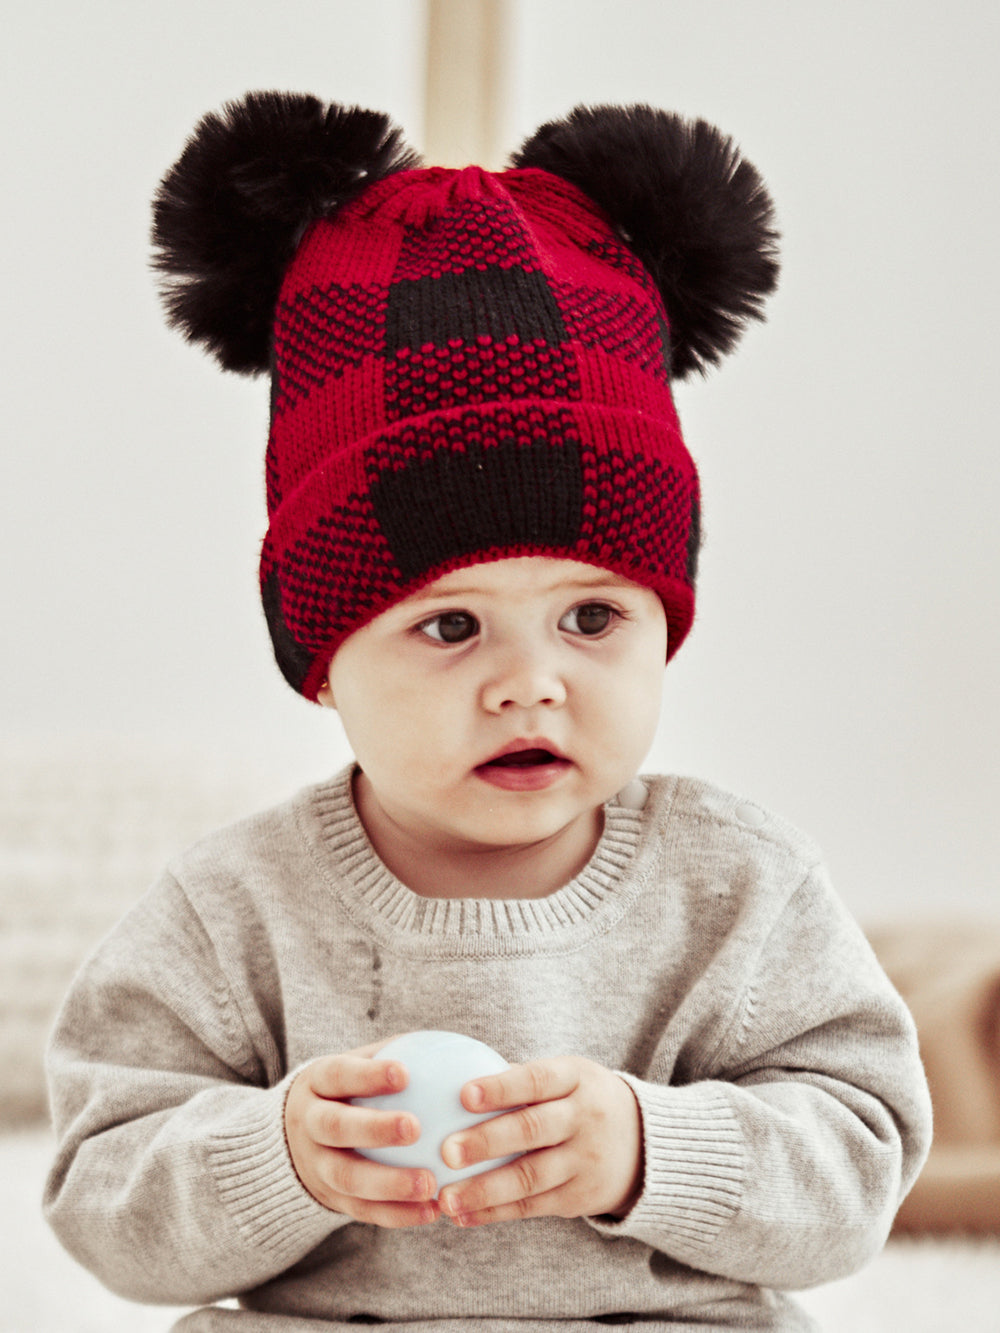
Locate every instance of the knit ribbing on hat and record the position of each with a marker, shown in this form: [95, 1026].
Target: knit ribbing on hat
[467, 367]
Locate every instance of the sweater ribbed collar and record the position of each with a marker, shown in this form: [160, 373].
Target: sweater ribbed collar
[378, 902]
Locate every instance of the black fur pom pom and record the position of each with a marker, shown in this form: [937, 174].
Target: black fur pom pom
[229, 214]
[696, 214]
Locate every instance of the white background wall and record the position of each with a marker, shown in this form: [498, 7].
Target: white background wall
[843, 668]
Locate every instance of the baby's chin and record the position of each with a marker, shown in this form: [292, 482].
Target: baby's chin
[526, 830]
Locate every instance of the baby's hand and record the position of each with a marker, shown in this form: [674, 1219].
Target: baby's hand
[580, 1131]
[322, 1130]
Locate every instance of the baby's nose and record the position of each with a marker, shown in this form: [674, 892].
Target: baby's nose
[526, 678]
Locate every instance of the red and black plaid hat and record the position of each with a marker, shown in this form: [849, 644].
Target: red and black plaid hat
[465, 365]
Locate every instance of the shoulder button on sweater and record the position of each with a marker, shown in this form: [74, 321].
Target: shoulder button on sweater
[751, 815]
[634, 795]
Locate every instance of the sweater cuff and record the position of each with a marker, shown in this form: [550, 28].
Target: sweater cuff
[693, 1169]
[252, 1169]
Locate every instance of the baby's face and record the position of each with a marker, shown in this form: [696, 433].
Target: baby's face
[505, 701]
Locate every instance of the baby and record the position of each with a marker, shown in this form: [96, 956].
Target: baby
[482, 548]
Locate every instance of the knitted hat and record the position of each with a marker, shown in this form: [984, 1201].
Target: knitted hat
[465, 365]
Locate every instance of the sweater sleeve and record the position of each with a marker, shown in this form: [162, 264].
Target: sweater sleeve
[783, 1161]
[172, 1180]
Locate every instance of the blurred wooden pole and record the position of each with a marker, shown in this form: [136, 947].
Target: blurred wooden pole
[468, 56]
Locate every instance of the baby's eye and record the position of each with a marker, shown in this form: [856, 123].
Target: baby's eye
[450, 627]
[591, 618]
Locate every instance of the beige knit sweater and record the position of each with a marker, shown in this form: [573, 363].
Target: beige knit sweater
[701, 953]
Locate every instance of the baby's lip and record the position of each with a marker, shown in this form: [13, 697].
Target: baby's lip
[529, 750]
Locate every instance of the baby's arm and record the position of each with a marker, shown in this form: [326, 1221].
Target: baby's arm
[783, 1160]
[173, 1181]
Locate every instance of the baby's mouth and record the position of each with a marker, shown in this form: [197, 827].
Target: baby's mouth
[523, 759]
[523, 767]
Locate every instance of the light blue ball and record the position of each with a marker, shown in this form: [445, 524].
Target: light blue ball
[439, 1065]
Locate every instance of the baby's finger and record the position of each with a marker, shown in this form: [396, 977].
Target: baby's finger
[334, 1124]
[536, 1205]
[348, 1174]
[542, 1125]
[508, 1190]
[391, 1214]
[337, 1076]
[537, 1081]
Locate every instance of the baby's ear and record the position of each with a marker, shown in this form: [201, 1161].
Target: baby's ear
[324, 696]
[230, 213]
[695, 212]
